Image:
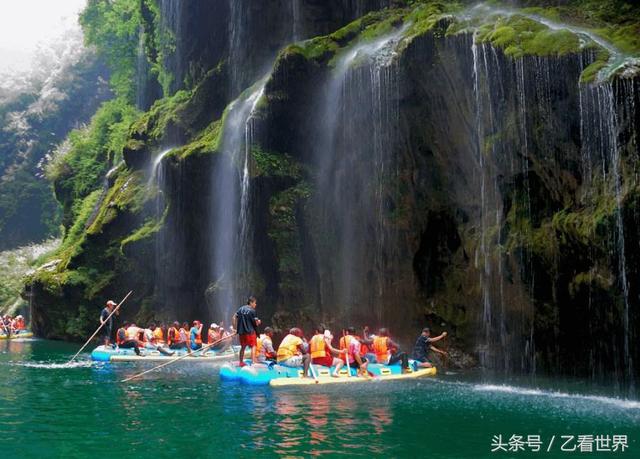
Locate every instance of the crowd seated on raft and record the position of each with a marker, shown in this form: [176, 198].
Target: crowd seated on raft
[353, 351]
[175, 336]
[12, 325]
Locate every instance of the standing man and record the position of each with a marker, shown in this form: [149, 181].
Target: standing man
[107, 324]
[424, 345]
[246, 323]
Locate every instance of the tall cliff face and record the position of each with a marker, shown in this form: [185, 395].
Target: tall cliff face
[412, 167]
[63, 95]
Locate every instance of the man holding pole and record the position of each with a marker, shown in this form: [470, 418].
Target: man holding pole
[246, 323]
[106, 320]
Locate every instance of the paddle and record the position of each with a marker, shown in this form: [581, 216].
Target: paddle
[203, 348]
[346, 355]
[100, 327]
[446, 355]
[313, 372]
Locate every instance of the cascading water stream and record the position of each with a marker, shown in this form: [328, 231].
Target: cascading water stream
[171, 28]
[231, 222]
[141, 71]
[355, 160]
[157, 183]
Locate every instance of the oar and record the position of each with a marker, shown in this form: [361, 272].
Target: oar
[313, 372]
[176, 359]
[446, 356]
[100, 327]
[346, 354]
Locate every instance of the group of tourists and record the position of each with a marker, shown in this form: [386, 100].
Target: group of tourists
[12, 325]
[163, 338]
[353, 350]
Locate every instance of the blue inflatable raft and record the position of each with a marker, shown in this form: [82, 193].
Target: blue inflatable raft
[278, 375]
[116, 354]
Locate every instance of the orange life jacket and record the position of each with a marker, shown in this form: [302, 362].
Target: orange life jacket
[199, 338]
[260, 346]
[158, 335]
[289, 347]
[212, 336]
[381, 349]
[318, 347]
[173, 336]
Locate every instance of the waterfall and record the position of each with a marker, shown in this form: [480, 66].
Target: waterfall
[142, 72]
[356, 163]
[297, 25]
[601, 126]
[231, 223]
[164, 261]
[237, 46]
[171, 30]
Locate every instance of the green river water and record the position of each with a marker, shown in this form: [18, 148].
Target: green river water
[50, 409]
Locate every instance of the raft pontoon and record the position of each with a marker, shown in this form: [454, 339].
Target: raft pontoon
[116, 354]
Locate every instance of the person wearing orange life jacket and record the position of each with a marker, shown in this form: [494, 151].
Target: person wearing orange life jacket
[19, 325]
[264, 346]
[153, 339]
[127, 338]
[176, 339]
[353, 346]
[292, 351]
[387, 351]
[322, 352]
[195, 338]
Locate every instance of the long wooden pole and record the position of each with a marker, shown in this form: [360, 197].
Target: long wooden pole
[100, 327]
[346, 355]
[203, 348]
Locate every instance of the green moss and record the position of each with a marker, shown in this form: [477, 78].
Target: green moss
[592, 71]
[152, 126]
[284, 232]
[519, 36]
[147, 230]
[207, 141]
[275, 164]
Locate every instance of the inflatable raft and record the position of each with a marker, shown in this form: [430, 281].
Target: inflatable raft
[115, 354]
[278, 375]
[20, 334]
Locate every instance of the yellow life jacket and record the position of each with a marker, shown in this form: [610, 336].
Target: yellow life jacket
[288, 347]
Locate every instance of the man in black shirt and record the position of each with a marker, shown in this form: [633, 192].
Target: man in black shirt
[423, 345]
[108, 326]
[246, 323]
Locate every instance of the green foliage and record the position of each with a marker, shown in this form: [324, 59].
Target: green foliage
[164, 113]
[80, 171]
[113, 27]
[275, 164]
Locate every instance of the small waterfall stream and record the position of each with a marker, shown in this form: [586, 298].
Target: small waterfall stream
[231, 222]
[355, 161]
